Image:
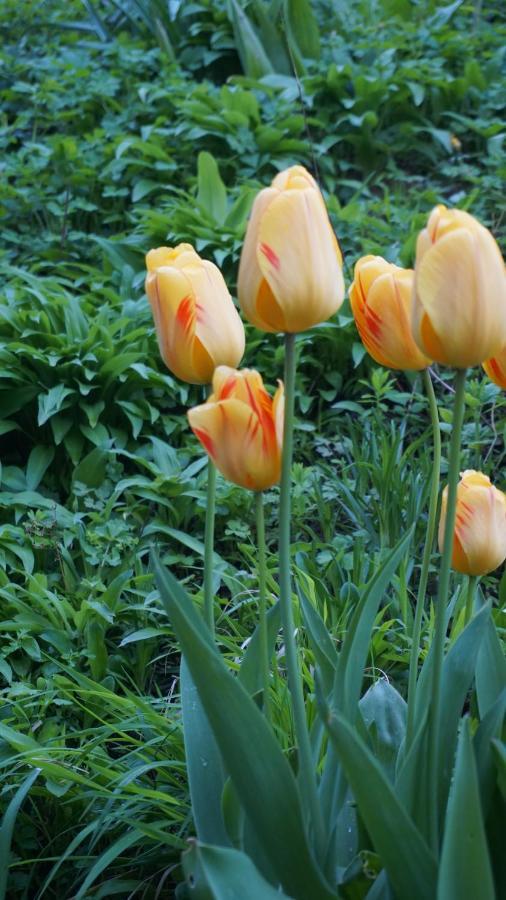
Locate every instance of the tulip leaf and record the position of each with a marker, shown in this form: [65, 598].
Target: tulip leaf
[250, 674]
[404, 853]
[212, 193]
[261, 774]
[384, 713]
[490, 728]
[465, 872]
[350, 667]
[490, 669]
[203, 763]
[321, 643]
[227, 873]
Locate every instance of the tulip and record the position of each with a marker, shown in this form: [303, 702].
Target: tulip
[290, 274]
[479, 543]
[496, 368]
[459, 311]
[241, 427]
[381, 301]
[197, 324]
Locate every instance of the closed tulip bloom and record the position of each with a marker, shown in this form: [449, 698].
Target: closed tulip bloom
[381, 301]
[479, 543]
[241, 428]
[496, 368]
[290, 274]
[459, 311]
[197, 324]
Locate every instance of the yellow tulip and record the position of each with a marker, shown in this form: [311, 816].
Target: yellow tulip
[496, 368]
[241, 428]
[290, 274]
[459, 311]
[197, 324]
[479, 543]
[381, 301]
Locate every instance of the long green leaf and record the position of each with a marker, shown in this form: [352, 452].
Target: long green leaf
[490, 669]
[230, 874]
[250, 673]
[490, 728]
[251, 755]
[203, 762]
[465, 872]
[302, 28]
[254, 59]
[7, 828]
[404, 853]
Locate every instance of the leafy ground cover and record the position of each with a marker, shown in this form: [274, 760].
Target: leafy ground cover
[117, 137]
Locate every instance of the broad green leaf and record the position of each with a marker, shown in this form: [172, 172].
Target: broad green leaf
[384, 713]
[490, 669]
[465, 872]
[302, 28]
[38, 462]
[212, 193]
[254, 59]
[203, 763]
[52, 402]
[91, 469]
[490, 728]
[404, 853]
[7, 828]
[230, 874]
[262, 777]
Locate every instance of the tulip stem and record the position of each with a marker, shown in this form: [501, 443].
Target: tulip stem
[471, 591]
[427, 552]
[307, 773]
[209, 547]
[441, 605]
[262, 601]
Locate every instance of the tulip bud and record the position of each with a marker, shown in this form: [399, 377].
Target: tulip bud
[381, 301]
[459, 311]
[241, 428]
[479, 542]
[496, 368]
[290, 274]
[197, 324]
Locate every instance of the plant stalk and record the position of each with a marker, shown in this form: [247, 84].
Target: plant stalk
[306, 770]
[442, 601]
[427, 552]
[209, 547]
[471, 592]
[262, 600]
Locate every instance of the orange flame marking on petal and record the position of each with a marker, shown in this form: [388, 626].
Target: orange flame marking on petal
[496, 369]
[186, 313]
[206, 440]
[264, 414]
[270, 255]
[227, 387]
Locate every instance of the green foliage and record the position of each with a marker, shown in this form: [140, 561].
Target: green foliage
[130, 125]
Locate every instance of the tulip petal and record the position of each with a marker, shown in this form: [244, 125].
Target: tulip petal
[496, 368]
[232, 434]
[255, 296]
[460, 289]
[300, 258]
[218, 325]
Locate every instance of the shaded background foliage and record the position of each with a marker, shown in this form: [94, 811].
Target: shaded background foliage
[134, 124]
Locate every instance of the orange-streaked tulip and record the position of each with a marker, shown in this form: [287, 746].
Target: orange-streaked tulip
[479, 543]
[496, 368]
[290, 274]
[459, 310]
[197, 324]
[381, 301]
[241, 428]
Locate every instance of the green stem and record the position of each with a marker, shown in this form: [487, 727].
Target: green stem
[262, 601]
[442, 601]
[306, 770]
[471, 591]
[209, 547]
[427, 552]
